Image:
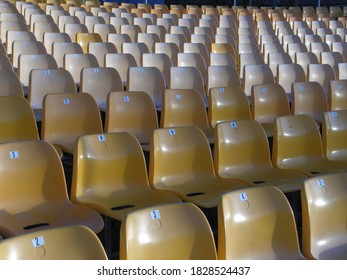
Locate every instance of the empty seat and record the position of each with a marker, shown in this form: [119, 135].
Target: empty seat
[184, 166]
[323, 217]
[222, 76]
[297, 144]
[276, 59]
[254, 74]
[17, 36]
[66, 116]
[85, 38]
[41, 172]
[73, 28]
[257, 223]
[59, 49]
[337, 95]
[118, 40]
[322, 74]
[99, 82]
[287, 74]
[51, 37]
[136, 50]
[10, 83]
[177, 241]
[99, 50]
[227, 104]
[304, 59]
[70, 243]
[26, 47]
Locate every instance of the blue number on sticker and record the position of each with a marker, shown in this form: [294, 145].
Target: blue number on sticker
[172, 132]
[126, 98]
[233, 124]
[77, 55]
[14, 154]
[221, 90]
[302, 88]
[38, 241]
[47, 72]
[178, 96]
[66, 101]
[263, 90]
[155, 214]
[334, 114]
[243, 196]
[339, 86]
[321, 182]
[96, 70]
[101, 138]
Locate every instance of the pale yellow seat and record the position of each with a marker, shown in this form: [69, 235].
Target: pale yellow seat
[340, 47]
[269, 101]
[75, 62]
[294, 48]
[271, 48]
[242, 151]
[10, 83]
[99, 50]
[40, 28]
[63, 243]
[118, 39]
[11, 26]
[257, 224]
[30, 169]
[222, 77]
[51, 37]
[255, 74]
[99, 82]
[44, 81]
[117, 22]
[179, 35]
[249, 59]
[185, 108]
[118, 182]
[66, 116]
[322, 74]
[337, 95]
[324, 212]
[59, 49]
[157, 29]
[297, 144]
[287, 74]
[72, 29]
[160, 61]
[19, 36]
[136, 50]
[181, 163]
[227, 104]
[90, 21]
[312, 38]
[309, 98]
[304, 59]
[149, 39]
[170, 49]
[332, 59]
[193, 60]
[67, 19]
[149, 80]
[318, 47]
[142, 22]
[121, 62]
[222, 59]
[276, 59]
[26, 47]
[104, 29]
[131, 30]
[197, 48]
[177, 241]
[334, 132]
[133, 112]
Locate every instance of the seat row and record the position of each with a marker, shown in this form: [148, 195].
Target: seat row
[263, 209]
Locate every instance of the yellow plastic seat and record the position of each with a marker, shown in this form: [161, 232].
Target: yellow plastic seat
[26, 47]
[170, 49]
[191, 240]
[72, 29]
[304, 59]
[62, 243]
[227, 104]
[337, 95]
[133, 112]
[40, 28]
[99, 50]
[249, 59]
[257, 224]
[118, 39]
[324, 211]
[276, 59]
[185, 108]
[12, 36]
[287, 74]
[149, 39]
[222, 76]
[159, 60]
[66, 116]
[34, 192]
[321, 73]
[181, 163]
[255, 74]
[5, 63]
[117, 183]
[309, 98]
[99, 82]
[269, 101]
[242, 151]
[334, 132]
[85, 38]
[297, 144]
[10, 84]
[51, 37]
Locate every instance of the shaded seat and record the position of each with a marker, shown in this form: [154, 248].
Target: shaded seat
[66, 116]
[34, 192]
[242, 151]
[118, 182]
[324, 212]
[133, 112]
[10, 84]
[62, 243]
[297, 144]
[257, 224]
[181, 163]
[192, 240]
[337, 95]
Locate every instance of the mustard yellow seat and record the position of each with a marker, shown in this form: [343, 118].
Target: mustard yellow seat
[110, 175]
[257, 223]
[167, 232]
[34, 193]
[324, 213]
[10, 83]
[242, 151]
[337, 95]
[181, 163]
[62, 243]
[334, 135]
[66, 116]
[85, 38]
[297, 144]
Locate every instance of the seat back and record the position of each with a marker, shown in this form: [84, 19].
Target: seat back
[287, 74]
[179, 154]
[222, 76]
[159, 60]
[133, 112]
[10, 84]
[5, 63]
[337, 95]
[99, 82]
[85, 38]
[17, 120]
[26, 47]
[13, 35]
[255, 74]
[69, 243]
[227, 104]
[321, 73]
[334, 132]
[99, 50]
[296, 137]
[257, 223]
[309, 98]
[59, 49]
[304, 59]
[50, 37]
[66, 116]
[136, 50]
[324, 213]
[192, 240]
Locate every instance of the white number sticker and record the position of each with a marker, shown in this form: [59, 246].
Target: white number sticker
[155, 214]
[14, 154]
[263, 90]
[178, 96]
[126, 98]
[38, 241]
[243, 196]
[321, 182]
[66, 101]
[101, 138]
[221, 90]
[233, 124]
[172, 132]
